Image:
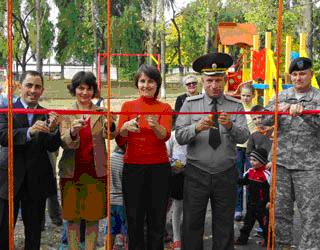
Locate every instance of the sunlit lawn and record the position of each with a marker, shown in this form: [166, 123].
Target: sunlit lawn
[56, 94]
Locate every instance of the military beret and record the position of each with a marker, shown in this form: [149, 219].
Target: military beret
[212, 63]
[299, 64]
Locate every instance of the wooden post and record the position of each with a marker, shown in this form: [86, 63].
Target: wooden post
[268, 74]
[226, 49]
[288, 56]
[302, 47]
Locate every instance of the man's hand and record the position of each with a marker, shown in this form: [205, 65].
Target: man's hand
[204, 124]
[296, 109]
[225, 120]
[39, 126]
[283, 107]
[54, 120]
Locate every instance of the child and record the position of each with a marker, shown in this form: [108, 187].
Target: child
[257, 178]
[262, 136]
[246, 94]
[118, 218]
[177, 155]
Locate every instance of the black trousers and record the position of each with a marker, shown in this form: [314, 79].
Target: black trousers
[32, 213]
[221, 189]
[145, 193]
[255, 213]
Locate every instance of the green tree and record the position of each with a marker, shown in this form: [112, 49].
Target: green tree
[40, 44]
[130, 38]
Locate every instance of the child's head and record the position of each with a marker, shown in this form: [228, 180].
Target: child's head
[257, 119]
[258, 158]
[247, 94]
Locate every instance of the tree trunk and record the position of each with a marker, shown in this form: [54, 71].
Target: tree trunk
[95, 22]
[38, 36]
[152, 29]
[163, 49]
[62, 72]
[207, 32]
[178, 49]
[308, 27]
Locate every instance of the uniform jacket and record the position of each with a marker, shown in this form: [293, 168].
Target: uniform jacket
[298, 137]
[67, 162]
[32, 166]
[199, 152]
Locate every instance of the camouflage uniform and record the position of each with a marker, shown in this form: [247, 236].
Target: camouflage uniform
[298, 170]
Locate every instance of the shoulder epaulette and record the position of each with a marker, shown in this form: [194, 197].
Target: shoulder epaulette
[230, 98]
[195, 97]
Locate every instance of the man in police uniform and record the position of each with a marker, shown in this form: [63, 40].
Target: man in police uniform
[298, 164]
[210, 172]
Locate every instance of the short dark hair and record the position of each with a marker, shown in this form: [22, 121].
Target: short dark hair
[31, 73]
[153, 73]
[86, 77]
[257, 108]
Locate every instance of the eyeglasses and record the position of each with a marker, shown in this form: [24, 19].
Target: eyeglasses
[191, 83]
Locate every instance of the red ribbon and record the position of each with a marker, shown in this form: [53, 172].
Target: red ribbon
[76, 111]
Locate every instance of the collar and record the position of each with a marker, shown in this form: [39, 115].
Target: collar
[209, 100]
[26, 105]
[306, 97]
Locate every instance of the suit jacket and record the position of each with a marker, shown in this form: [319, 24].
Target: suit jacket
[32, 169]
[67, 162]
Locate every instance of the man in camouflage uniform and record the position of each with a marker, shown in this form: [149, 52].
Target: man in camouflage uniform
[211, 154]
[298, 164]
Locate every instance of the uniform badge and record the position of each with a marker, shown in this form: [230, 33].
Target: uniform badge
[300, 65]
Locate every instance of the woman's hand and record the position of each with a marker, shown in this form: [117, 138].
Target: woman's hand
[152, 120]
[77, 125]
[113, 119]
[131, 126]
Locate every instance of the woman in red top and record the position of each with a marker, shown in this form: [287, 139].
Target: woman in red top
[146, 169]
[82, 167]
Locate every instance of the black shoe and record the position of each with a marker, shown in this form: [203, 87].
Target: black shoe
[240, 242]
[238, 218]
[259, 235]
[57, 221]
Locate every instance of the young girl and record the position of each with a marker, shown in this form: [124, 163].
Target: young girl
[177, 155]
[246, 94]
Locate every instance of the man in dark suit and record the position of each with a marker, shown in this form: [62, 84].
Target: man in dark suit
[33, 136]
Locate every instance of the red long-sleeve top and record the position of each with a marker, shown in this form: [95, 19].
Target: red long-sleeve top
[145, 147]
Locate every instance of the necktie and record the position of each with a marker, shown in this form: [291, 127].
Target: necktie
[214, 133]
[30, 117]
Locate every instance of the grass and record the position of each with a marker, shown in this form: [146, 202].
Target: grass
[57, 96]
[57, 89]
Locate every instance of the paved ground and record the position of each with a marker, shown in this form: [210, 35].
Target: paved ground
[51, 236]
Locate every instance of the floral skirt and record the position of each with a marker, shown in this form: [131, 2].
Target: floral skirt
[84, 199]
